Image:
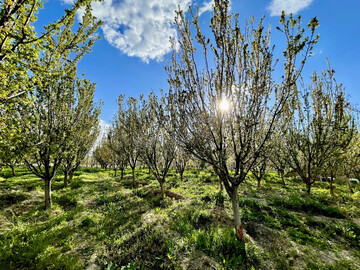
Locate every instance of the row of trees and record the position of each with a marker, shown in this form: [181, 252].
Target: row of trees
[48, 116]
[140, 132]
[231, 114]
[223, 107]
[233, 138]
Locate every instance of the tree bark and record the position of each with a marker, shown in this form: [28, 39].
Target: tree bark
[181, 175]
[221, 185]
[13, 170]
[115, 171]
[282, 178]
[308, 188]
[258, 183]
[237, 220]
[234, 197]
[71, 175]
[48, 202]
[122, 174]
[162, 188]
[133, 177]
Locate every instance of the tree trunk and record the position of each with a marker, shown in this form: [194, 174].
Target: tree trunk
[122, 174]
[13, 170]
[282, 178]
[221, 185]
[238, 225]
[237, 220]
[71, 175]
[115, 171]
[48, 202]
[181, 175]
[133, 177]
[258, 183]
[308, 188]
[162, 188]
[65, 178]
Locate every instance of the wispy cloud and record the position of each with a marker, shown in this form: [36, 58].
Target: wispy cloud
[68, 2]
[207, 6]
[289, 6]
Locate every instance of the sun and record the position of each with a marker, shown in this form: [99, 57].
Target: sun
[224, 105]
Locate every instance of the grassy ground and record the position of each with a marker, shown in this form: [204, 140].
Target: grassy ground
[100, 222]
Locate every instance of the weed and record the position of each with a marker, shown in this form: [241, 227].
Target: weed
[66, 201]
[12, 198]
[137, 229]
[87, 222]
[75, 184]
[306, 205]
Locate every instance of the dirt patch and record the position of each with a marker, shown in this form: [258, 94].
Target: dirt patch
[5, 224]
[24, 207]
[260, 233]
[221, 218]
[142, 184]
[349, 256]
[327, 257]
[149, 218]
[322, 218]
[174, 195]
[199, 261]
[149, 193]
[356, 221]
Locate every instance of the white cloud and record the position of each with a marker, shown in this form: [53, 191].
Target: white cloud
[139, 28]
[68, 2]
[206, 7]
[289, 6]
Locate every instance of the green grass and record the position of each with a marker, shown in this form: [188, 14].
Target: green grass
[100, 220]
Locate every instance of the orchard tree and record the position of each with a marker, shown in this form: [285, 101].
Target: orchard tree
[181, 160]
[351, 158]
[103, 154]
[84, 124]
[321, 128]
[158, 146]
[221, 108]
[10, 141]
[117, 144]
[128, 121]
[20, 48]
[335, 169]
[50, 113]
[277, 154]
[20, 45]
[259, 169]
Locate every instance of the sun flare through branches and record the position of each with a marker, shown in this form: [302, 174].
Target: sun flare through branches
[224, 105]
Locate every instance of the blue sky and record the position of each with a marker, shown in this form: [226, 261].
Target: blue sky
[129, 59]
